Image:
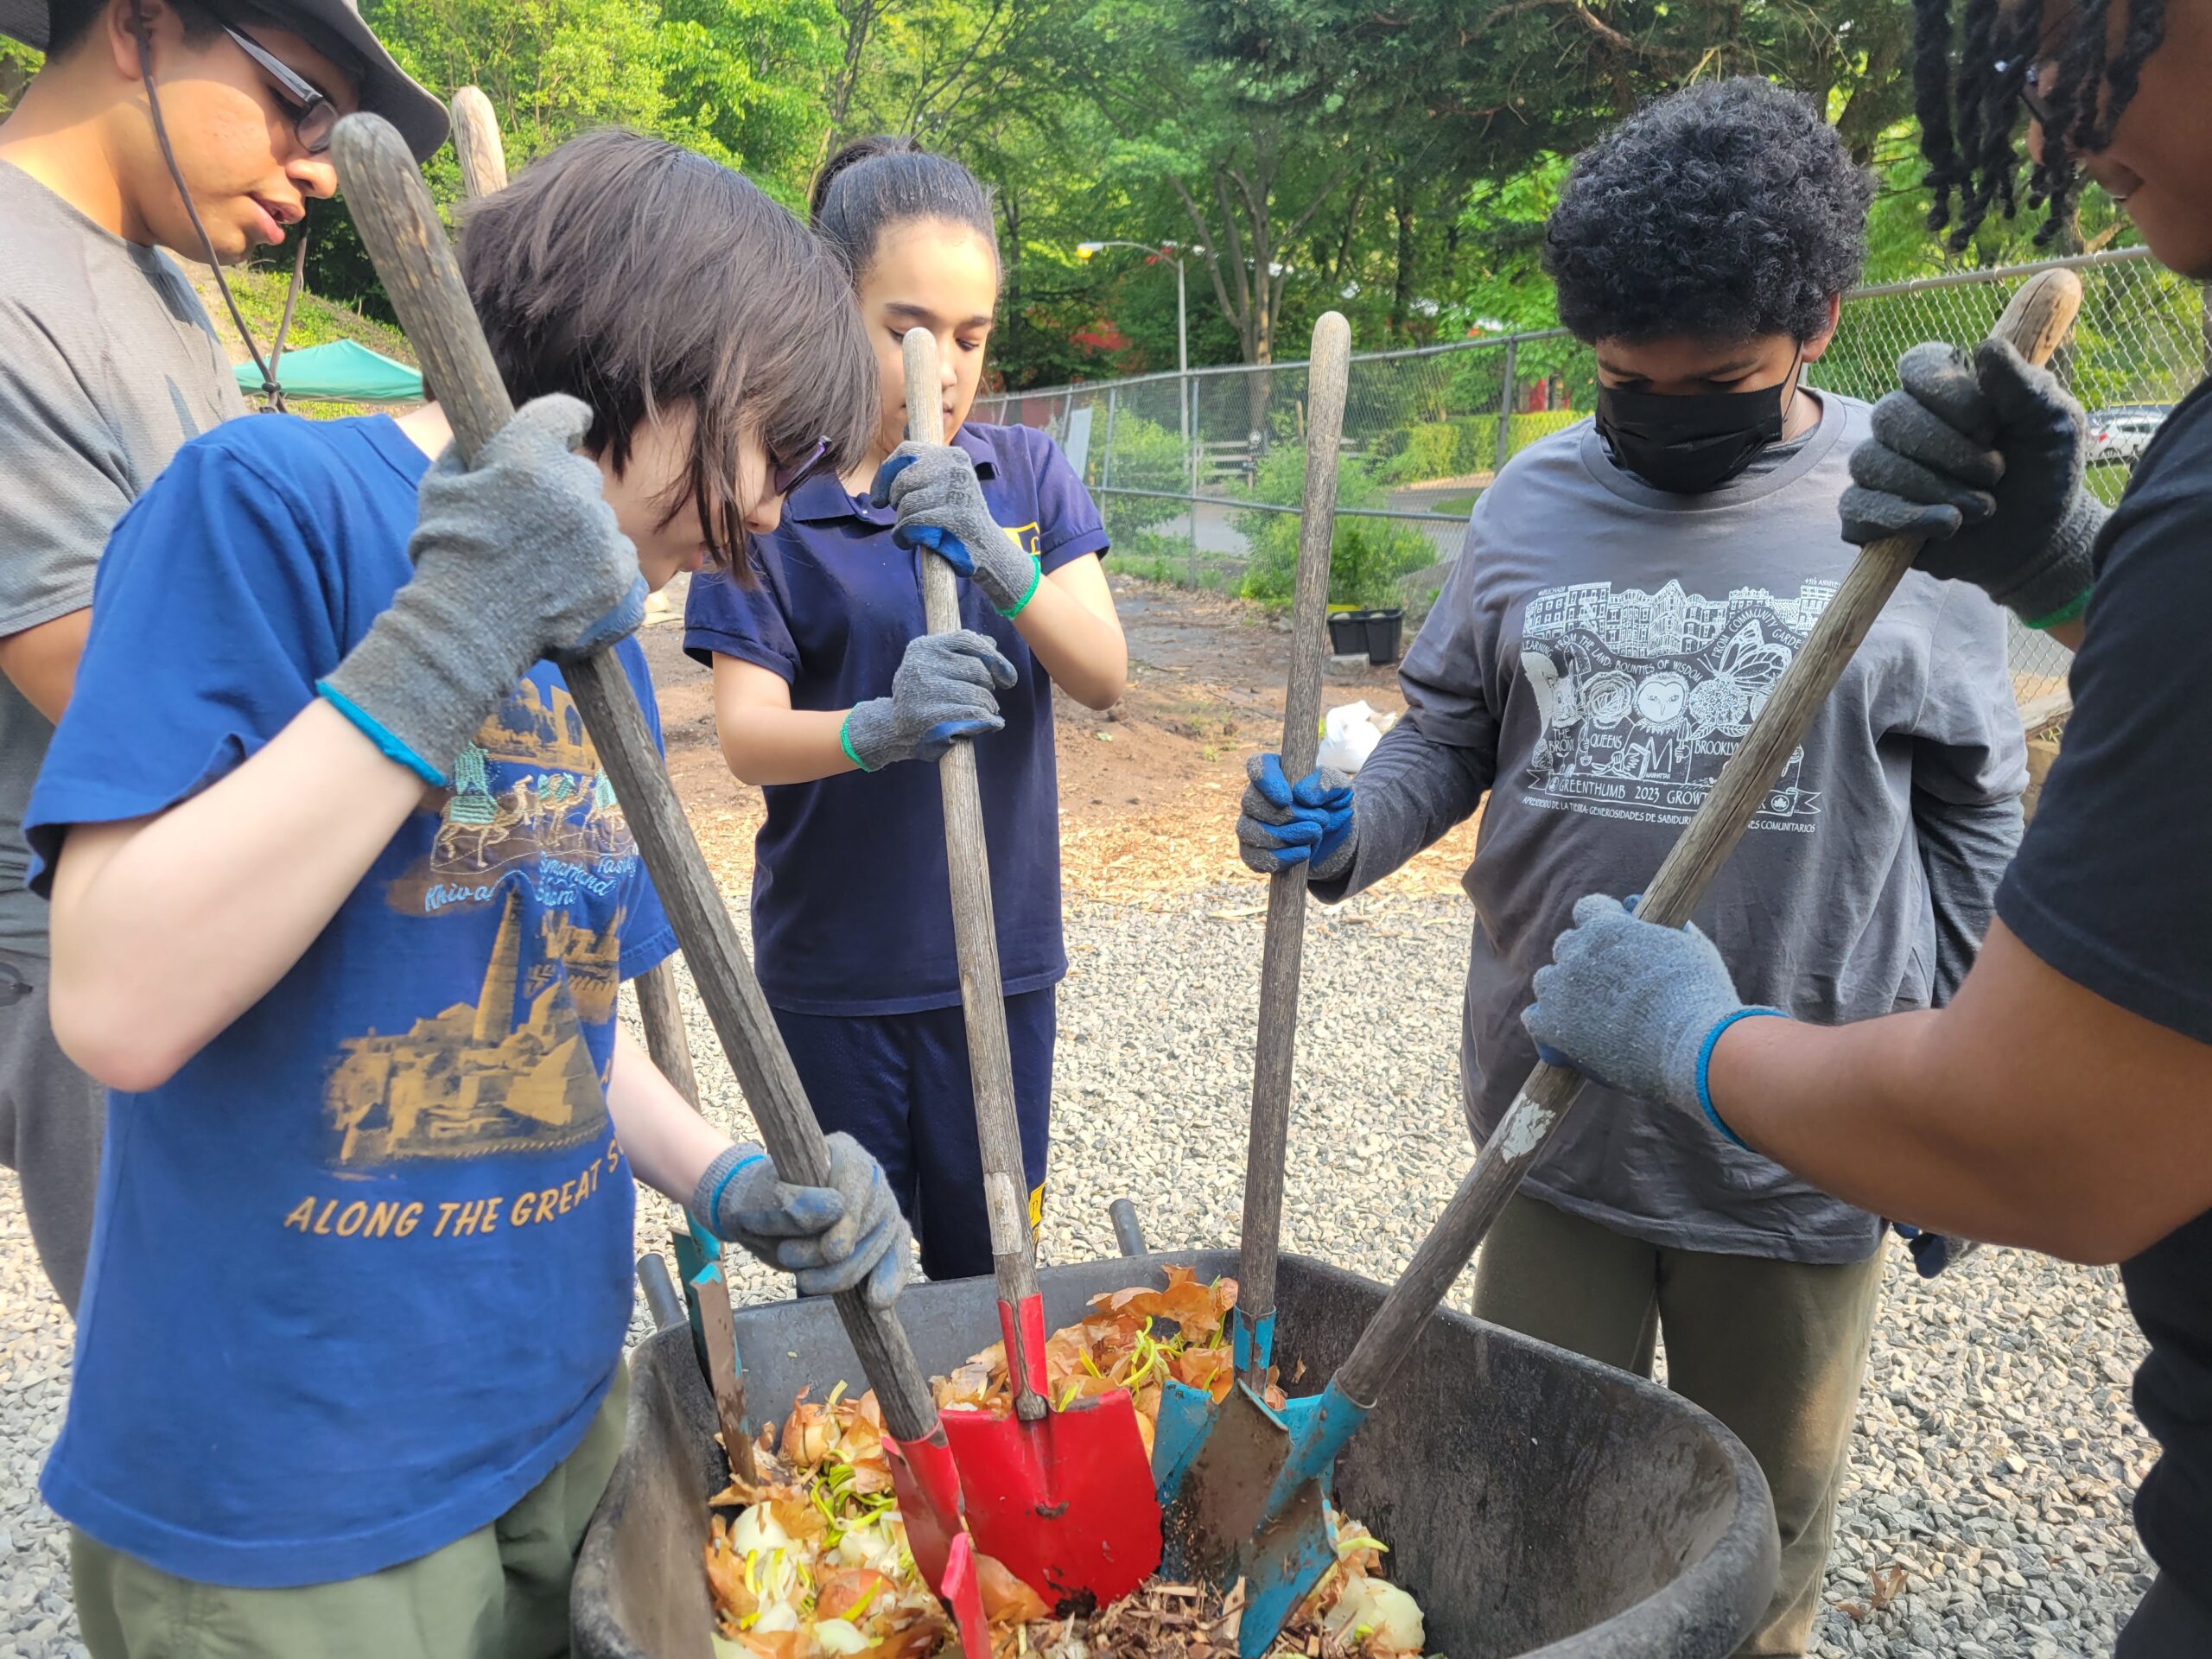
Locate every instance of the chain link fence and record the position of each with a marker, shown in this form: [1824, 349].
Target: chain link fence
[1198, 475]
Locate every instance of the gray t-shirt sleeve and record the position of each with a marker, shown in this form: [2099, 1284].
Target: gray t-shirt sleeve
[66, 483]
[1969, 770]
[1429, 773]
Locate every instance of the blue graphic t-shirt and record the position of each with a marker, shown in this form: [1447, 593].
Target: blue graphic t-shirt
[360, 1270]
[851, 912]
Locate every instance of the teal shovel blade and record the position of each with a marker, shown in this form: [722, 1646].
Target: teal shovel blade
[1251, 1504]
[1185, 1412]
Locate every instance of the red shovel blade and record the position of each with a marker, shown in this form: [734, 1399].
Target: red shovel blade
[928, 1486]
[964, 1593]
[1067, 1505]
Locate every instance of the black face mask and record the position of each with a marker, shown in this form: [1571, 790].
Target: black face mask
[1687, 446]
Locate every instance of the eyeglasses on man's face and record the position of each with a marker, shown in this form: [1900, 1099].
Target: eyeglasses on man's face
[313, 116]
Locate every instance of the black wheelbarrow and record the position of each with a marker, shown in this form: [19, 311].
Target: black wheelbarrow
[1534, 1501]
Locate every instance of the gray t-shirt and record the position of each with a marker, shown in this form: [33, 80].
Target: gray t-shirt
[1596, 654]
[107, 364]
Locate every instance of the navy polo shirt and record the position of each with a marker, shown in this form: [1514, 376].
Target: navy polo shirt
[851, 912]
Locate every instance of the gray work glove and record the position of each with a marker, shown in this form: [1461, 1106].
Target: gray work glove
[941, 507]
[941, 693]
[831, 1237]
[1636, 1006]
[1983, 459]
[1280, 825]
[516, 558]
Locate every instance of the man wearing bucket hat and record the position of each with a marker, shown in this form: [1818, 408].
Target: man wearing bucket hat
[154, 124]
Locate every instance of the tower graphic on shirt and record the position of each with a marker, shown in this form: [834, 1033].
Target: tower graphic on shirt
[1644, 696]
[509, 1072]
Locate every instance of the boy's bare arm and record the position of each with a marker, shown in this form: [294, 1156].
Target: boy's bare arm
[846, 1236]
[166, 929]
[2030, 1112]
[669, 1145]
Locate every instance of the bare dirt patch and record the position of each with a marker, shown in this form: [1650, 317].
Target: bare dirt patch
[1148, 789]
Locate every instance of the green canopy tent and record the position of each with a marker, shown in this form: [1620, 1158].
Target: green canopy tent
[343, 372]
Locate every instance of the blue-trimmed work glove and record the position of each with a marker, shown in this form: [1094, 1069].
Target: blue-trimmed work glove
[1982, 457]
[941, 507]
[831, 1237]
[1636, 1006]
[515, 557]
[1279, 824]
[944, 690]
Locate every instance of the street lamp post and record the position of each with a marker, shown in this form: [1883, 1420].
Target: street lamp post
[1083, 251]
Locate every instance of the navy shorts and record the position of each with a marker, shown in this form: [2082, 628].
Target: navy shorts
[899, 1084]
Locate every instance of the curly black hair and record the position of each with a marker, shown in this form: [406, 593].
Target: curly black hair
[1979, 164]
[1728, 210]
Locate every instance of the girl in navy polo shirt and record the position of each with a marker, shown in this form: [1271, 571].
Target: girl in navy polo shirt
[825, 679]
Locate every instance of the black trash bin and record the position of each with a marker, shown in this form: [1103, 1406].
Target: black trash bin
[1536, 1503]
[1347, 632]
[1383, 630]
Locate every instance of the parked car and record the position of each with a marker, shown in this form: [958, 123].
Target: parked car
[2122, 434]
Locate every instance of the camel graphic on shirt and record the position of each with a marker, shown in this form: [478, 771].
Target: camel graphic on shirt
[1644, 696]
[528, 802]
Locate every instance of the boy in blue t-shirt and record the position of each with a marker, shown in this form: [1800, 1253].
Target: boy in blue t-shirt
[341, 903]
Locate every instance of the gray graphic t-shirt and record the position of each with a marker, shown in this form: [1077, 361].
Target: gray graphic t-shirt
[1596, 655]
[107, 364]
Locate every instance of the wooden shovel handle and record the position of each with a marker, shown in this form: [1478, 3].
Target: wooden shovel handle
[1283, 945]
[399, 226]
[476, 142]
[974, 936]
[2036, 320]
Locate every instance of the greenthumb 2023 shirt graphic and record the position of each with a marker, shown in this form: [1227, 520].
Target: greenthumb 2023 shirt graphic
[1644, 697]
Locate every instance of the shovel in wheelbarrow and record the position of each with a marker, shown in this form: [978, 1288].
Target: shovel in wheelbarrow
[1185, 1412]
[1062, 1498]
[1252, 1505]
[407, 245]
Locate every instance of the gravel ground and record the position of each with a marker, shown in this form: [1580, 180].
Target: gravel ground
[1986, 1508]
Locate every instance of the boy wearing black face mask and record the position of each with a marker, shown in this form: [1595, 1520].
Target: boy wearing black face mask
[1630, 591]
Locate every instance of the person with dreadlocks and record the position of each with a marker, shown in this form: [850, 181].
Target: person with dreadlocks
[153, 125]
[2063, 1101]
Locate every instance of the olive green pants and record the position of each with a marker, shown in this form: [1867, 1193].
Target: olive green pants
[501, 1592]
[1775, 1349]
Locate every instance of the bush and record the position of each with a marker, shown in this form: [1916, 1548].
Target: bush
[1428, 453]
[1144, 456]
[1368, 557]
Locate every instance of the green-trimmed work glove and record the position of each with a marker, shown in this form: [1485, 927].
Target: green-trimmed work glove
[1983, 458]
[941, 507]
[831, 1237]
[1637, 1007]
[943, 691]
[516, 558]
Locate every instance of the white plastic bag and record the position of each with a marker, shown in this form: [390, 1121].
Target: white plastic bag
[1349, 736]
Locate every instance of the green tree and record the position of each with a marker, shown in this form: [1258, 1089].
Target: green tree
[551, 67]
[17, 65]
[742, 80]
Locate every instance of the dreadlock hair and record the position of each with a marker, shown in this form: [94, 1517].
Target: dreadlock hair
[1970, 113]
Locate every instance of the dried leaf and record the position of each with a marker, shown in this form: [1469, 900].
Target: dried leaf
[1006, 1598]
